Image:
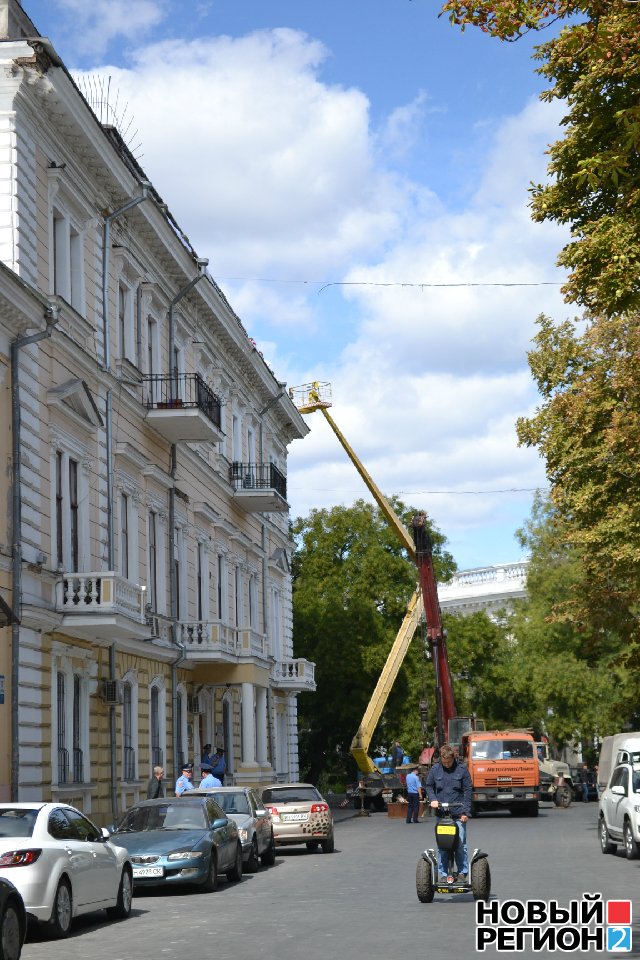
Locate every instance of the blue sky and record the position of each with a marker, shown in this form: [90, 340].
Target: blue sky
[357, 173]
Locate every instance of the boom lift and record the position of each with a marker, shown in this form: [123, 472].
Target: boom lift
[317, 396]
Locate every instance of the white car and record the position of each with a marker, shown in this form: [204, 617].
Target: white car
[62, 864]
[619, 810]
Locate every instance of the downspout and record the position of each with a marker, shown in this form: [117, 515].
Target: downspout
[202, 263]
[265, 612]
[106, 366]
[51, 318]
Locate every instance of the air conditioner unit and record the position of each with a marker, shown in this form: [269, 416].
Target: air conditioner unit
[195, 705]
[112, 692]
[154, 626]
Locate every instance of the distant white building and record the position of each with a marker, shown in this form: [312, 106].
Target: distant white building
[486, 589]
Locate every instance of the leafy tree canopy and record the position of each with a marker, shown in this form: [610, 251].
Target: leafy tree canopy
[593, 65]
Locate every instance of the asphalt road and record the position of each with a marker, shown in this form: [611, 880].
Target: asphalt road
[361, 900]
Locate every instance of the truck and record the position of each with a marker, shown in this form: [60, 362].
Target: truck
[614, 750]
[556, 781]
[504, 770]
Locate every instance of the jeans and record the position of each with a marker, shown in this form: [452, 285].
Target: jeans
[413, 807]
[462, 860]
[585, 792]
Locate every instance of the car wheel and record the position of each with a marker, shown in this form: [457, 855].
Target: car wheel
[235, 874]
[10, 933]
[328, 845]
[269, 856]
[630, 846]
[481, 880]
[253, 862]
[122, 908]
[60, 922]
[424, 881]
[605, 840]
[312, 845]
[211, 879]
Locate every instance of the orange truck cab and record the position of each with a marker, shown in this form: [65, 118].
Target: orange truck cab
[504, 770]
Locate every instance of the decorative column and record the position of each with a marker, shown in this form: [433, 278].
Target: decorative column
[248, 726]
[261, 726]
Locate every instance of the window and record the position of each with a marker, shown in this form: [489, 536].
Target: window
[200, 581]
[124, 535]
[70, 723]
[180, 715]
[252, 602]
[68, 260]
[238, 596]
[129, 772]
[178, 571]
[251, 446]
[153, 560]
[276, 624]
[236, 438]
[78, 772]
[63, 754]
[157, 753]
[123, 307]
[67, 512]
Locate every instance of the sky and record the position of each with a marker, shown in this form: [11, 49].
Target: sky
[357, 173]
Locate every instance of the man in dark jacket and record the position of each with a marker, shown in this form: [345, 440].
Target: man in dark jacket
[450, 782]
[155, 787]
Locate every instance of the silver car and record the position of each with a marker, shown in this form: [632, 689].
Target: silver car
[62, 864]
[254, 823]
[300, 814]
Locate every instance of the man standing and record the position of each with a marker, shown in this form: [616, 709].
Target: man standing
[218, 765]
[155, 787]
[414, 794]
[208, 779]
[183, 783]
[450, 782]
[397, 755]
[583, 773]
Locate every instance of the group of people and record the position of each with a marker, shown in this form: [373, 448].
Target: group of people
[448, 782]
[212, 768]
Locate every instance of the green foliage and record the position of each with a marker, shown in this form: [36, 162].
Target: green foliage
[352, 583]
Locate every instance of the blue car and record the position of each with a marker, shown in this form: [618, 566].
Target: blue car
[180, 840]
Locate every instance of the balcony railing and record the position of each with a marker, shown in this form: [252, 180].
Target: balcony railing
[182, 407]
[209, 638]
[294, 674]
[259, 487]
[101, 606]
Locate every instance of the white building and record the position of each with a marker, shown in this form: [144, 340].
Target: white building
[487, 589]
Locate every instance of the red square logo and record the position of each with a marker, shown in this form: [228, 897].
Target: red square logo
[619, 912]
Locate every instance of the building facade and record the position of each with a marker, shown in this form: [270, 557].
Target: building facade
[487, 589]
[144, 578]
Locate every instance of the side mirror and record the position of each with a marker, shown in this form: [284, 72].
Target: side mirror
[619, 791]
[221, 822]
[105, 833]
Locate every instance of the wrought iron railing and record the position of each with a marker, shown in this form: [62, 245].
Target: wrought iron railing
[63, 765]
[129, 763]
[78, 765]
[182, 391]
[157, 757]
[258, 476]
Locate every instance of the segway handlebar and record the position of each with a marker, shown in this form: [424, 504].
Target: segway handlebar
[453, 809]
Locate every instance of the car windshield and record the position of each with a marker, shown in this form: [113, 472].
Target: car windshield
[502, 750]
[17, 822]
[291, 795]
[232, 802]
[165, 816]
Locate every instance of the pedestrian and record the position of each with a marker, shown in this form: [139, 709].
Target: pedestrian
[183, 783]
[450, 782]
[155, 787]
[219, 765]
[206, 754]
[208, 779]
[415, 794]
[397, 755]
[583, 775]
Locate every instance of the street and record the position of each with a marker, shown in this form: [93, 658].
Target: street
[361, 900]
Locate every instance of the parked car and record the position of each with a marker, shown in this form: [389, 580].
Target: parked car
[300, 814]
[13, 922]
[186, 839]
[619, 810]
[62, 864]
[242, 806]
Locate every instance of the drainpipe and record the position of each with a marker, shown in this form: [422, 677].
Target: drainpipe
[106, 366]
[202, 263]
[51, 318]
[265, 613]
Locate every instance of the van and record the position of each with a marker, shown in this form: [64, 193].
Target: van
[615, 749]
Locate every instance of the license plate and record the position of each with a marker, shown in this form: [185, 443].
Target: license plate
[290, 817]
[505, 796]
[140, 872]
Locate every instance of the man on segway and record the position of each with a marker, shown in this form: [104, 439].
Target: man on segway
[450, 782]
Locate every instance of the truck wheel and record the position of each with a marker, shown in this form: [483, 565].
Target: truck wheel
[630, 846]
[562, 796]
[481, 880]
[424, 881]
[605, 841]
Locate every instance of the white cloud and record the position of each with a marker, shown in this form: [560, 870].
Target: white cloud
[98, 22]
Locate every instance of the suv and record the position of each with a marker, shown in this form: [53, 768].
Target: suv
[619, 810]
[299, 814]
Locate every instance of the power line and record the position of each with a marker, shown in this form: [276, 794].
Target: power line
[325, 284]
[431, 493]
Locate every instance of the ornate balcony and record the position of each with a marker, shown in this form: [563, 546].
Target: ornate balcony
[294, 675]
[182, 407]
[251, 643]
[101, 606]
[259, 487]
[205, 640]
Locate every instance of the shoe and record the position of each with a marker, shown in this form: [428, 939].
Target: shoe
[462, 878]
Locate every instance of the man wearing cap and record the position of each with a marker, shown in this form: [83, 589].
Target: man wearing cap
[208, 779]
[414, 794]
[183, 783]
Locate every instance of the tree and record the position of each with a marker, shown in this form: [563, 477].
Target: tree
[352, 583]
[593, 64]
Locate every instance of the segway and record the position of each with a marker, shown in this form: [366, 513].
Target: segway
[427, 870]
